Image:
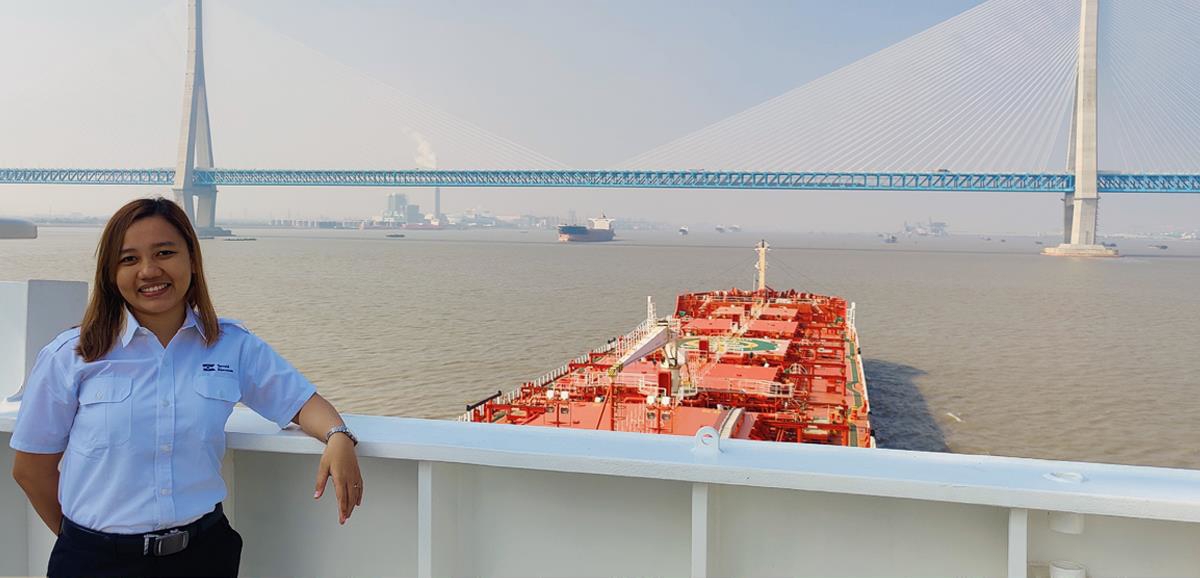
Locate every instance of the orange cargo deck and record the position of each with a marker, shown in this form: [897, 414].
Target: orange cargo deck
[763, 365]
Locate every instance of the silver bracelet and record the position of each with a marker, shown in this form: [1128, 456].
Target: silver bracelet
[343, 430]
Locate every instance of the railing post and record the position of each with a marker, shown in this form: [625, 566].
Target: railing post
[1018, 543]
[425, 519]
[702, 518]
[41, 310]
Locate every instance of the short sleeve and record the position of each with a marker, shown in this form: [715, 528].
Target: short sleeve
[49, 403]
[271, 386]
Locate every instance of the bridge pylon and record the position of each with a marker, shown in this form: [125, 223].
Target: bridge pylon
[1081, 206]
[195, 136]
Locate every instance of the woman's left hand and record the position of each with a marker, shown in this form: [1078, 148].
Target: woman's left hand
[340, 461]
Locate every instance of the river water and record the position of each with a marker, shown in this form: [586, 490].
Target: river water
[971, 345]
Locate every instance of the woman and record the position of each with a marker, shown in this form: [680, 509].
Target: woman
[132, 405]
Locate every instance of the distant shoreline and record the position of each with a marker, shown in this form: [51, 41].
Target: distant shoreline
[99, 223]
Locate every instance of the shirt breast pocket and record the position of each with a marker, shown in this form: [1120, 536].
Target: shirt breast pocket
[105, 415]
[218, 393]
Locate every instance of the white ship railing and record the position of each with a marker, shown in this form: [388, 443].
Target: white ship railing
[759, 387]
[628, 342]
[448, 498]
[643, 386]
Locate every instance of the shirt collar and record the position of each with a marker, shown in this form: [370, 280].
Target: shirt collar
[132, 325]
[190, 320]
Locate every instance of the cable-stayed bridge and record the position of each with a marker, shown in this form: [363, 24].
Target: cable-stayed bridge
[1002, 98]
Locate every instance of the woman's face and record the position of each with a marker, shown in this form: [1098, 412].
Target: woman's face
[154, 269]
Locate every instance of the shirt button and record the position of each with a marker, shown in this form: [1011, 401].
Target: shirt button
[166, 448]
[165, 491]
[166, 403]
[99, 396]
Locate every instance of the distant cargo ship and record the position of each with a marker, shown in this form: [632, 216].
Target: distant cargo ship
[599, 229]
[758, 364]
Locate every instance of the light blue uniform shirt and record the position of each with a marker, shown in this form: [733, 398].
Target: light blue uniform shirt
[143, 427]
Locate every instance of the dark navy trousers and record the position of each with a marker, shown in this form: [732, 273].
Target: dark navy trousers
[216, 551]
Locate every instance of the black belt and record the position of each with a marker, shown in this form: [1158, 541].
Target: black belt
[159, 543]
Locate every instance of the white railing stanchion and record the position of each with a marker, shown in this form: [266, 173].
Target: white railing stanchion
[1018, 543]
[425, 519]
[702, 525]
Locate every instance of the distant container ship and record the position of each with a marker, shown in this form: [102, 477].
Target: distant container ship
[598, 229]
[761, 365]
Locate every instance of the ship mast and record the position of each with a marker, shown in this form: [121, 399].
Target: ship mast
[762, 247]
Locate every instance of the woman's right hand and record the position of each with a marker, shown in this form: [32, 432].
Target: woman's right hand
[340, 461]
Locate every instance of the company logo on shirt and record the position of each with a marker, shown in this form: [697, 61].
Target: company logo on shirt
[218, 367]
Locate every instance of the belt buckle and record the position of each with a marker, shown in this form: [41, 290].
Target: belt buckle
[166, 544]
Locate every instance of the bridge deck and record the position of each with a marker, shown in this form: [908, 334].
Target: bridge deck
[840, 181]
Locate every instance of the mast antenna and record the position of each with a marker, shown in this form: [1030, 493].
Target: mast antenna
[762, 263]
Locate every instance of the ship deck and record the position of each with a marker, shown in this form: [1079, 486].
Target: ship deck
[763, 365]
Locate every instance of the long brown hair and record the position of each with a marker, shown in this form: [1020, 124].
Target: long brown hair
[104, 318]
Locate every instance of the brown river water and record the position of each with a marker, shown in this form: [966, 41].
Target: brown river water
[970, 345]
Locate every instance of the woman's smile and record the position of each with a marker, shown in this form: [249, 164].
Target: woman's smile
[154, 291]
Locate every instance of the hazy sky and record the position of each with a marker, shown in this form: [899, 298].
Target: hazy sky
[307, 84]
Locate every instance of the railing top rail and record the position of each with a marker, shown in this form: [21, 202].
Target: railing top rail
[1103, 489]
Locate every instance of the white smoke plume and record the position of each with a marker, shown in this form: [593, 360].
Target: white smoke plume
[425, 157]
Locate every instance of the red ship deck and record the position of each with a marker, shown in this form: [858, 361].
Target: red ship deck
[763, 365]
